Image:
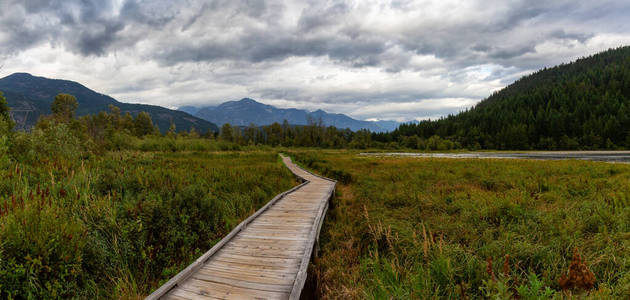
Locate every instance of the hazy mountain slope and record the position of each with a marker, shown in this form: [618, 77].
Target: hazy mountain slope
[30, 96]
[247, 111]
[192, 110]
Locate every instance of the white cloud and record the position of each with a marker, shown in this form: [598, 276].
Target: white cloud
[399, 60]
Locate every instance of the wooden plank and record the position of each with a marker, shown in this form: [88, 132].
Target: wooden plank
[187, 294]
[256, 252]
[254, 264]
[270, 248]
[302, 208]
[266, 223]
[270, 234]
[297, 218]
[263, 241]
[258, 244]
[229, 254]
[268, 273]
[242, 283]
[174, 297]
[255, 261]
[288, 221]
[304, 216]
[255, 268]
[251, 278]
[277, 228]
[270, 237]
[224, 291]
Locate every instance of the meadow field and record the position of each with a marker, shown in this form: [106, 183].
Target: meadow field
[118, 224]
[437, 228]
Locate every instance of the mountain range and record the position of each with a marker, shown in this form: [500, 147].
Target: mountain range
[30, 97]
[248, 111]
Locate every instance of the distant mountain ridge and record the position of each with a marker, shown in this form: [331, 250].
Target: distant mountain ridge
[249, 111]
[30, 97]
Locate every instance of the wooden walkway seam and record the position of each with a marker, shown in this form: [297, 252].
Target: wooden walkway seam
[267, 255]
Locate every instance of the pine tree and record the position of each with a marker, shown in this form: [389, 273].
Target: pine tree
[143, 124]
[227, 133]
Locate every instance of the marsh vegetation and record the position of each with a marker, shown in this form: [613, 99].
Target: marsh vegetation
[119, 224]
[429, 228]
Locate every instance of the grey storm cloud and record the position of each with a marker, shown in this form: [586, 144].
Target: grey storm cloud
[397, 51]
[88, 27]
[334, 30]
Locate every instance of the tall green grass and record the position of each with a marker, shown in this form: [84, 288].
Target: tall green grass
[119, 224]
[426, 228]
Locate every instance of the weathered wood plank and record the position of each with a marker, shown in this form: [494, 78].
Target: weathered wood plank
[254, 261]
[252, 278]
[256, 268]
[242, 283]
[225, 291]
[257, 251]
[189, 295]
[271, 242]
[273, 246]
[174, 297]
[266, 274]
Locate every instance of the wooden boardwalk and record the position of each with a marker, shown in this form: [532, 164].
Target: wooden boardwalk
[264, 257]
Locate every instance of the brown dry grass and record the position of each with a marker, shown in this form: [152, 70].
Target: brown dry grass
[579, 276]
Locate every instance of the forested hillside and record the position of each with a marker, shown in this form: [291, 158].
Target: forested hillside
[31, 96]
[581, 105]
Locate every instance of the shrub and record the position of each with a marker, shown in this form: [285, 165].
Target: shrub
[5, 134]
[53, 142]
[43, 254]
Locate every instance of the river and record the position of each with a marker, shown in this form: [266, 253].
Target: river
[605, 156]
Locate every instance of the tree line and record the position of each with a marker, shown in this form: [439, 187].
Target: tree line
[313, 134]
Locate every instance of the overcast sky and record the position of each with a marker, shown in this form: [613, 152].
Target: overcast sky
[394, 59]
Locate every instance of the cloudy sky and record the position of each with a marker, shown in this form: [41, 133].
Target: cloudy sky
[369, 59]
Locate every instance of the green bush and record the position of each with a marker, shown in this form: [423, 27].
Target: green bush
[42, 253]
[54, 142]
[5, 135]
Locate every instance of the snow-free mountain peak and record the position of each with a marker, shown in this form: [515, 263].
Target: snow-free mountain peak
[249, 111]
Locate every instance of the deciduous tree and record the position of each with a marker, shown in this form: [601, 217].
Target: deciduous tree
[64, 107]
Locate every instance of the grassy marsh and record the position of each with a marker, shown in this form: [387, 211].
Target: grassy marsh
[118, 225]
[428, 228]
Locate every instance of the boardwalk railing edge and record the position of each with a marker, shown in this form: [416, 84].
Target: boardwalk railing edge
[300, 278]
